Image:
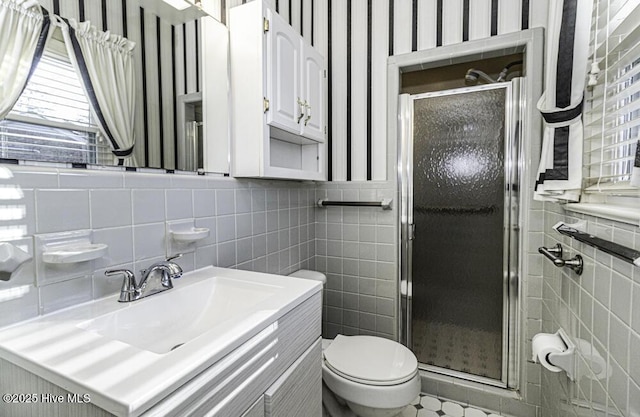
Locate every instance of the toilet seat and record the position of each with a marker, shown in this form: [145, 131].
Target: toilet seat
[371, 360]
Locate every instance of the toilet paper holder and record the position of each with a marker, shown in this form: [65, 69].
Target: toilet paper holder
[565, 360]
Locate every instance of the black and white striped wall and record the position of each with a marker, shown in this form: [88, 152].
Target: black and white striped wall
[355, 36]
[168, 60]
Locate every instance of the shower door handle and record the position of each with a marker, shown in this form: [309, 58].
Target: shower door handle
[412, 231]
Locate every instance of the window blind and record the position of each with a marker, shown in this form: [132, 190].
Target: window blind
[52, 120]
[612, 116]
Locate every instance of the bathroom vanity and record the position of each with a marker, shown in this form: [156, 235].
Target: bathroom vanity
[221, 343]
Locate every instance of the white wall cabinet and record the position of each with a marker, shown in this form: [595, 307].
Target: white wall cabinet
[278, 84]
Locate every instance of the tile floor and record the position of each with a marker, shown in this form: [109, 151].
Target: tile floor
[473, 351]
[428, 406]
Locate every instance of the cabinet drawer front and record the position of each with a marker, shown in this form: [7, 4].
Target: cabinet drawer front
[298, 392]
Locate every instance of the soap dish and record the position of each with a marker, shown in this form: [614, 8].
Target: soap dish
[190, 235]
[74, 253]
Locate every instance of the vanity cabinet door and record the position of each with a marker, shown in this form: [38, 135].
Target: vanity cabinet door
[298, 391]
[256, 410]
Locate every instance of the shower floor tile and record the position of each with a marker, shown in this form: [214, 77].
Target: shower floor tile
[428, 406]
[476, 352]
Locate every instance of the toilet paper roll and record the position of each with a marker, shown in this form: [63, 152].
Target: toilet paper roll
[542, 345]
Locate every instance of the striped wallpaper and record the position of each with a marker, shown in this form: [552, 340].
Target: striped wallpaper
[355, 36]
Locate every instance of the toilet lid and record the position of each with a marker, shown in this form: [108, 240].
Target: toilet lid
[371, 360]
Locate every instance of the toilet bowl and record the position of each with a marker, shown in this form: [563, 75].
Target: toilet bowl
[375, 377]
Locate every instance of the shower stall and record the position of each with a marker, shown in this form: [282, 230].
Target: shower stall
[459, 171]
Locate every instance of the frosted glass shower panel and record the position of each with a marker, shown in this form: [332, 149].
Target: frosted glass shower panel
[458, 250]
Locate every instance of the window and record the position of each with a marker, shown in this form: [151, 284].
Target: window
[612, 110]
[52, 120]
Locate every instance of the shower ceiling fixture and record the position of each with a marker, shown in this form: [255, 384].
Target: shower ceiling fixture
[472, 75]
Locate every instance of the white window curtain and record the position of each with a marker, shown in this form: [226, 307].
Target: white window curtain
[24, 30]
[568, 32]
[105, 66]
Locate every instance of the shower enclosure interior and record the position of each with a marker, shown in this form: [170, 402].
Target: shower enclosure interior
[459, 173]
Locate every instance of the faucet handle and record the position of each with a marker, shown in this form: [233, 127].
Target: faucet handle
[128, 289]
[127, 273]
[175, 271]
[176, 256]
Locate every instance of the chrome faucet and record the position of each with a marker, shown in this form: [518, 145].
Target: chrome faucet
[157, 278]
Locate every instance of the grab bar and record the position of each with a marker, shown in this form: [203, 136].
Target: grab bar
[385, 203]
[622, 252]
[555, 255]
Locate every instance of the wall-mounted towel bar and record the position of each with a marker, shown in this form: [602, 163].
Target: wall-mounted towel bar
[385, 203]
[622, 252]
[555, 255]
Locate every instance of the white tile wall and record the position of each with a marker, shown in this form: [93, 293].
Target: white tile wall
[61, 210]
[129, 211]
[353, 250]
[602, 307]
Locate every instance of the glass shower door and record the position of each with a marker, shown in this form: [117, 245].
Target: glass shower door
[459, 217]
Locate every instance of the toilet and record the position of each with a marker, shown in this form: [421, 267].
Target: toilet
[375, 377]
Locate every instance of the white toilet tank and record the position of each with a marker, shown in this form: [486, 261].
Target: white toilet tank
[312, 275]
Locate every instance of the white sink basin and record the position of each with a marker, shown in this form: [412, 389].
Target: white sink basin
[124, 354]
[166, 321]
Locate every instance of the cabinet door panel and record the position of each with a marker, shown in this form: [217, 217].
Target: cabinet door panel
[313, 91]
[284, 76]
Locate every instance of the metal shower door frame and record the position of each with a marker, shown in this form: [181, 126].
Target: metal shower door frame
[514, 113]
